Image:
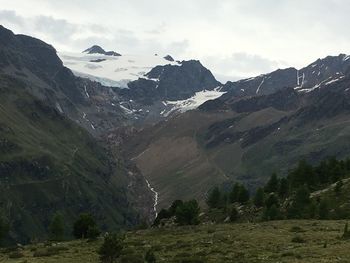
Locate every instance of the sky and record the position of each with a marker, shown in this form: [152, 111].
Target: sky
[233, 38]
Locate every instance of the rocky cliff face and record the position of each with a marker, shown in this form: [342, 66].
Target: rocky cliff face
[48, 163]
[172, 82]
[91, 105]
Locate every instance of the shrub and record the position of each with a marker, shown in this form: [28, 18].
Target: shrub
[191, 260]
[133, 258]
[16, 254]
[211, 230]
[298, 239]
[150, 257]
[346, 232]
[93, 232]
[111, 248]
[44, 252]
[234, 215]
[323, 212]
[338, 187]
[296, 229]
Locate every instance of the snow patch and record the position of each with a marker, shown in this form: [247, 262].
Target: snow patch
[258, 89]
[126, 110]
[86, 93]
[58, 106]
[194, 102]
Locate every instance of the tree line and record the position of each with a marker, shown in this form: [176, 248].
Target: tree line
[289, 197]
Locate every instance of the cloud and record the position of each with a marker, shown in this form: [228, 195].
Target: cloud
[241, 65]
[238, 38]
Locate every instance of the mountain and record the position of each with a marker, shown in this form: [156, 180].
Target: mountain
[94, 107]
[99, 50]
[155, 129]
[49, 161]
[146, 88]
[323, 70]
[247, 137]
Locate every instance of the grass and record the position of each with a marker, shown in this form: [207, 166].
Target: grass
[247, 242]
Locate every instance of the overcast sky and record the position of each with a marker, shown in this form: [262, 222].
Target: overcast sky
[233, 38]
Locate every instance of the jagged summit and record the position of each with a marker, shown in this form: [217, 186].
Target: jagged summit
[169, 58]
[95, 49]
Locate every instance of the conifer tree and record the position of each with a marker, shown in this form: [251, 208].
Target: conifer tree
[4, 228]
[243, 195]
[214, 198]
[272, 184]
[56, 227]
[188, 213]
[234, 193]
[259, 197]
[82, 225]
[283, 189]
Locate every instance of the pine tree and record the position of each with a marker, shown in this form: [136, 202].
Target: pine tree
[273, 213]
[188, 213]
[173, 207]
[56, 227]
[302, 196]
[243, 195]
[283, 189]
[234, 193]
[272, 184]
[214, 198]
[82, 225]
[271, 200]
[4, 228]
[259, 197]
[300, 207]
[303, 174]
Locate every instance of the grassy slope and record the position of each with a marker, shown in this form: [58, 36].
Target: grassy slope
[170, 157]
[47, 163]
[174, 156]
[263, 242]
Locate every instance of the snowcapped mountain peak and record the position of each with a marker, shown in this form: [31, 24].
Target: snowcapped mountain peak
[111, 70]
[95, 49]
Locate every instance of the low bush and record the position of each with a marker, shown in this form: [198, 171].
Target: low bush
[16, 254]
[298, 239]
